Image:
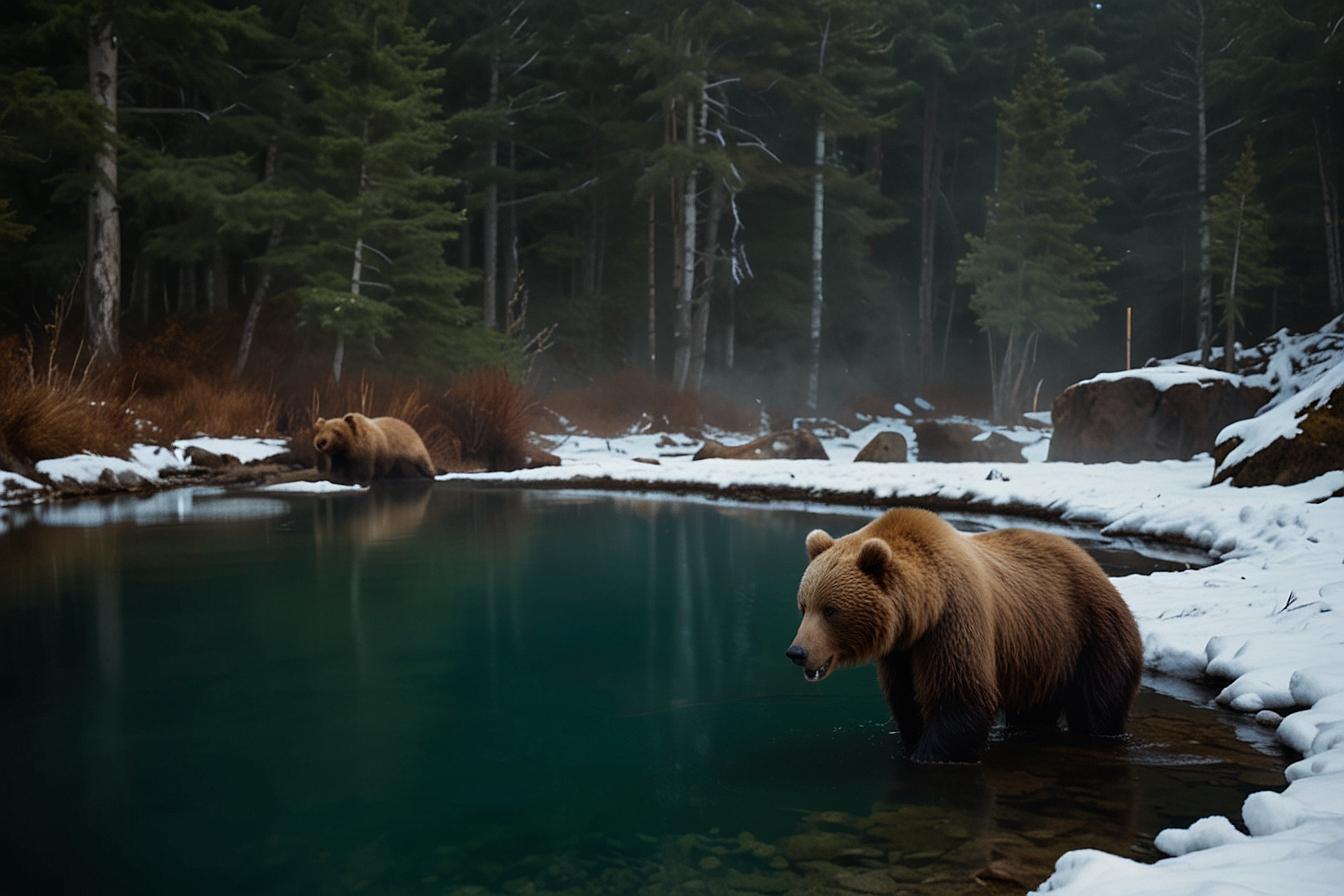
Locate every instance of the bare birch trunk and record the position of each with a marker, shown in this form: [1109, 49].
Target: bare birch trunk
[490, 237]
[700, 311]
[263, 285]
[1202, 138]
[928, 228]
[102, 286]
[818, 204]
[356, 265]
[653, 286]
[681, 319]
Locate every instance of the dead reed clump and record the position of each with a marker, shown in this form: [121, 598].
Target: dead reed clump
[53, 408]
[491, 416]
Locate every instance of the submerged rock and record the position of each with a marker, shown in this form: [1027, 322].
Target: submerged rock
[793, 444]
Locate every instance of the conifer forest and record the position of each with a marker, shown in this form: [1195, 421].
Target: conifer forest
[800, 201]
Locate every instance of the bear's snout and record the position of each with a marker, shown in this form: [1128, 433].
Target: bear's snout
[321, 444]
[797, 654]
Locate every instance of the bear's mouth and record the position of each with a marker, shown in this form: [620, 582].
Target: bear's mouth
[817, 674]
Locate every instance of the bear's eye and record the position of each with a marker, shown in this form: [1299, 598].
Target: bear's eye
[828, 612]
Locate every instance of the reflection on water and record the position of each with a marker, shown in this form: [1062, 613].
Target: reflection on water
[184, 505]
[430, 689]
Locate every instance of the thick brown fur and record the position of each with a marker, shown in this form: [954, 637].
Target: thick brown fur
[359, 449]
[962, 626]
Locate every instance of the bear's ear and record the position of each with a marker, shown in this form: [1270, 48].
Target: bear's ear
[817, 541]
[350, 419]
[317, 424]
[875, 558]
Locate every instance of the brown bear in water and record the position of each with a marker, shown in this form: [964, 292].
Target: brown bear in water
[355, 448]
[961, 626]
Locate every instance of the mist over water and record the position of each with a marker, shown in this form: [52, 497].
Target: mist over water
[417, 689]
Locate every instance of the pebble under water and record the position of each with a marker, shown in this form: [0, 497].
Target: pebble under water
[449, 690]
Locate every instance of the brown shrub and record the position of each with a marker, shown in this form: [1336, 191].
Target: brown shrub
[55, 410]
[197, 406]
[492, 418]
[615, 404]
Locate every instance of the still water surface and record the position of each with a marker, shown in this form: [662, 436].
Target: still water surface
[436, 690]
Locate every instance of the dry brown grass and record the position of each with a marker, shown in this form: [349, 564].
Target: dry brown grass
[52, 408]
[492, 417]
[614, 404]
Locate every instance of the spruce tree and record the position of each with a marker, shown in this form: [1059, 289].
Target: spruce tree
[1031, 272]
[1241, 246]
[375, 263]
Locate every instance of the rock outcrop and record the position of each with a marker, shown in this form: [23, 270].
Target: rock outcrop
[1153, 413]
[941, 442]
[884, 448]
[1296, 441]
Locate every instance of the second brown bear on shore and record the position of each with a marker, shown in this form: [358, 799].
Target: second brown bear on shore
[359, 449]
[961, 626]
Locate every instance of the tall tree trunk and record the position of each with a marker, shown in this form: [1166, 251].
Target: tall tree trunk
[709, 258]
[818, 204]
[263, 284]
[730, 327]
[1230, 303]
[653, 286]
[510, 245]
[1202, 149]
[490, 237]
[931, 181]
[1334, 252]
[681, 318]
[357, 263]
[102, 284]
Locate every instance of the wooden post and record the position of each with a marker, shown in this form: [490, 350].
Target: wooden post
[1129, 333]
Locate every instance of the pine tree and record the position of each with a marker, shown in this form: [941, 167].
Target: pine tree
[375, 262]
[1241, 246]
[1031, 273]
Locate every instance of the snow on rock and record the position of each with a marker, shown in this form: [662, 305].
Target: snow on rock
[1203, 834]
[247, 450]
[1281, 422]
[902, 409]
[13, 482]
[146, 462]
[1163, 377]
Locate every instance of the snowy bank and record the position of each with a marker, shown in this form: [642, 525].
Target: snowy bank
[1268, 620]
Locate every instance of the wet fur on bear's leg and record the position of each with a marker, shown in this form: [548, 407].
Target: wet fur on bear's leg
[955, 731]
[898, 685]
[1098, 698]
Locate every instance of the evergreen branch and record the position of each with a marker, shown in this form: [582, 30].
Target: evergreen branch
[183, 110]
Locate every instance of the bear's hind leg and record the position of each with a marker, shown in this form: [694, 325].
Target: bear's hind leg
[1098, 697]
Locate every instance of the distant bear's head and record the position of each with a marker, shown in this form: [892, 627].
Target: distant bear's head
[849, 604]
[334, 437]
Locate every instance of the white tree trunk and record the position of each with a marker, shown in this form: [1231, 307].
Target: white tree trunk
[818, 204]
[1230, 305]
[102, 285]
[931, 177]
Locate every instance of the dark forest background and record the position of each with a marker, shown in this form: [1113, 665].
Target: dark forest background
[575, 188]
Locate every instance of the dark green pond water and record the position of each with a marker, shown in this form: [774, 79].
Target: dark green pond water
[448, 690]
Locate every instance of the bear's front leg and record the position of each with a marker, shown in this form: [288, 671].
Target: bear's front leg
[955, 730]
[898, 686]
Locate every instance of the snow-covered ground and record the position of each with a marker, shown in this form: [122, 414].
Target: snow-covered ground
[1268, 620]
[148, 462]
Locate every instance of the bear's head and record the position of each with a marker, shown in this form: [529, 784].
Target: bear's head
[848, 602]
[334, 437]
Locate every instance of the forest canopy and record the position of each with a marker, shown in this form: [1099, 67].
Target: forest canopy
[794, 200]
